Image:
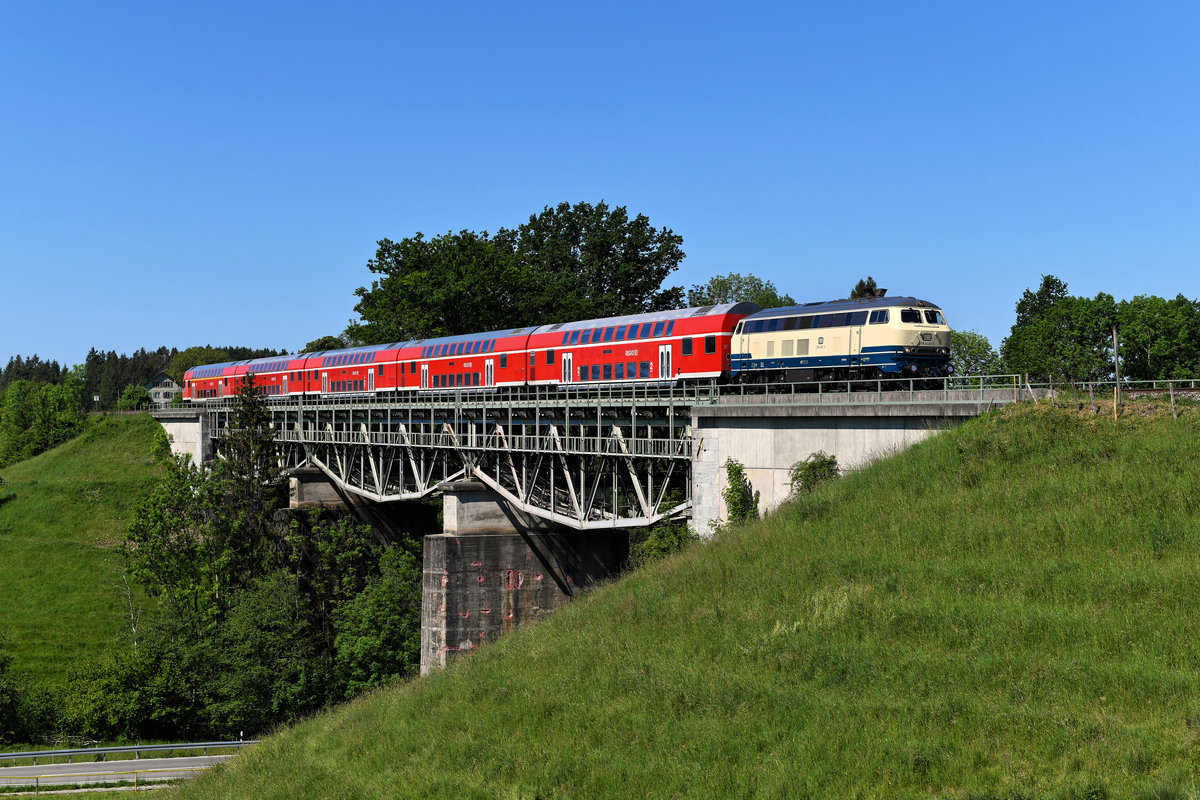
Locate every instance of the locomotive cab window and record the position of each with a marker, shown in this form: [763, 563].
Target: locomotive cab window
[910, 315]
[934, 317]
[879, 316]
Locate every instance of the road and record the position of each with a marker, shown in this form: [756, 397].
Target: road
[152, 769]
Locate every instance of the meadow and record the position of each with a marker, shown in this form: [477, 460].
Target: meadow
[1006, 610]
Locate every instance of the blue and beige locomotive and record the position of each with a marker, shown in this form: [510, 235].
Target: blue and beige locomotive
[861, 338]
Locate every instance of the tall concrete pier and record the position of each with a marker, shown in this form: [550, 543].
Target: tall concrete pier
[492, 571]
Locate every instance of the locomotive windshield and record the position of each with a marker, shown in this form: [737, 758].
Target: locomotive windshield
[934, 317]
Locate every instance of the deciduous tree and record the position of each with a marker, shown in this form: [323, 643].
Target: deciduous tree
[737, 288]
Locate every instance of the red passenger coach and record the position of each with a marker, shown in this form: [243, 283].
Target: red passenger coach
[476, 360]
[683, 344]
[686, 344]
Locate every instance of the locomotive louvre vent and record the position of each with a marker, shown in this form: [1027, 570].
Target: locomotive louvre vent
[702, 311]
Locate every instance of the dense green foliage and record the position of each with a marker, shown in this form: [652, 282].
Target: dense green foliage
[738, 288]
[741, 501]
[805, 476]
[32, 370]
[1011, 615]
[972, 354]
[35, 417]
[1059, 337]
[257, 619]
[568, 262]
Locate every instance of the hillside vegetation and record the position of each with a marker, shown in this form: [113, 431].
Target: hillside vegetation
[1009, 609]
[61, 516]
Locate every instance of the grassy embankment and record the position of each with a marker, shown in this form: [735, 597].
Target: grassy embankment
[61, 515]
[1010, 609]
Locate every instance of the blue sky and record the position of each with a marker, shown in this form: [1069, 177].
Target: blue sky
[219, 173]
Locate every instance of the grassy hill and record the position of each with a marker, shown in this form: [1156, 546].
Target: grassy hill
[61, 515]
[1010, 609]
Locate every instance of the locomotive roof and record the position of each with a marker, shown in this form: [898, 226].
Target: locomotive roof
[848, 304]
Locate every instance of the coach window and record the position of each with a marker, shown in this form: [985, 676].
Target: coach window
[608, 372]
[620, 335]
[575, 337]
[533, 359]
[685, 346]
[633, 332]
[644, 369]
[412, 367]
[710, 344]
[503, 360]
[595, 372]
[910, 315]
[549, 356]
[585, 337]
[658, 329]
[620, 371]
[608, 334]
[644, 333]
[583, 373]
[631, 370]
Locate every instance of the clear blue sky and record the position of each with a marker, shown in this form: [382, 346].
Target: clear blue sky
[192, 173]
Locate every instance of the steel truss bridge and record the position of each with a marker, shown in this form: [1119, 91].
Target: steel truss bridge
[585, 458]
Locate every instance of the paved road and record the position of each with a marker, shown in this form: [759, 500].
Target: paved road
[144, 769]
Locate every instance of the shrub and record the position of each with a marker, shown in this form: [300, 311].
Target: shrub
[740, 498]
[818, 468]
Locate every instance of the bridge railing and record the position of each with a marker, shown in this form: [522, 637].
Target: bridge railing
[482, 440]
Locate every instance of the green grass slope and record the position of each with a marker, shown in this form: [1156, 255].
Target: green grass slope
[1010, 609]
[61, 515]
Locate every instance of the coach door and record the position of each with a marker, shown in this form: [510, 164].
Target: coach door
[370, 379]
[489, 372]
[567, 371]
[285, 391]
[424, 376]
[664, 361]
[324, 383]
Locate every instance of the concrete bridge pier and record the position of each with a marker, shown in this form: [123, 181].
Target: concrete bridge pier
[493, 570]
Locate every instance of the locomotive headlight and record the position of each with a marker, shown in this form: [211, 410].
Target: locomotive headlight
[908, 349]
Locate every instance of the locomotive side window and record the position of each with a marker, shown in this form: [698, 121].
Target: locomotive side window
[685, 346]
[910, 315]
[879, 317]
[934, 317]
[710, 344]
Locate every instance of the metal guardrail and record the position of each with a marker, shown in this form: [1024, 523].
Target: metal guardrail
[102, 777]
[136, 749]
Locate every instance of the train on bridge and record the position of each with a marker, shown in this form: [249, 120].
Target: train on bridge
[862, 338]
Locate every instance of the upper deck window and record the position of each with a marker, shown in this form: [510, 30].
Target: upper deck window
[658, 329]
